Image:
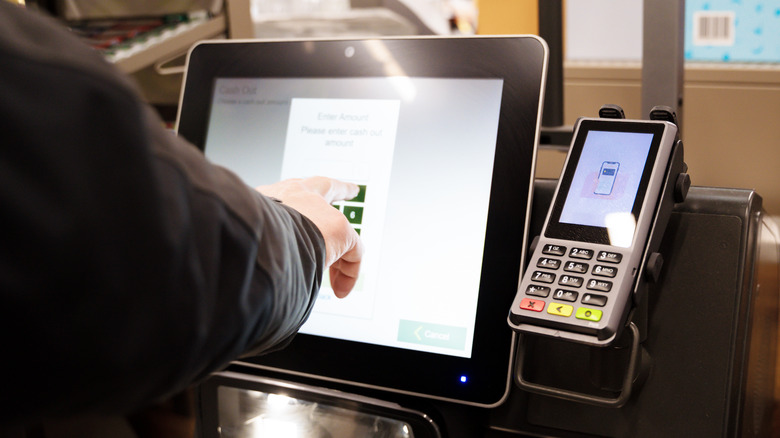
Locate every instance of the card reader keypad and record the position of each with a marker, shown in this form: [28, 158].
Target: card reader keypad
[577, 276]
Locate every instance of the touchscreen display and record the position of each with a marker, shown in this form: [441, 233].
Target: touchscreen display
[422, 150]
[604, 187]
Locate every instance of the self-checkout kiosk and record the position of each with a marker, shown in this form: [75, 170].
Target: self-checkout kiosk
[441, 135]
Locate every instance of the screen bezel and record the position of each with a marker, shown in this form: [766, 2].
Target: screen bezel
[556, 229]
[520, 61]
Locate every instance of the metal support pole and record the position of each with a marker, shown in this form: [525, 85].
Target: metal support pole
[663, 55]
[551, 29]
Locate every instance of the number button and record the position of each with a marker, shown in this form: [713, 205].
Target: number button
[556, 250]
[543, 277]
[565, 295]
[581, 253]
[610, 257]
[578, 267]
[605, 271]
[599, 285]
[548, 263]
[538, 291]
[354, 214]
[361, 196]
[570, 280]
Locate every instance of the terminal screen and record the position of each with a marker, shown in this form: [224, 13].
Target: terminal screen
[422, 151]
[606, 181]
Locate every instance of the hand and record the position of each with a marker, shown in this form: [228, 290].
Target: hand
[312, 198]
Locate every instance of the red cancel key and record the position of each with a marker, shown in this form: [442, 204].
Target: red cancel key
[531, 304]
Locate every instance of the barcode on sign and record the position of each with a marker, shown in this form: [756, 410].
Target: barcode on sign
[713, 28]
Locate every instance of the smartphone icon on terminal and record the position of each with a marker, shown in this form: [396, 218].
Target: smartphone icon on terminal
[607, 175]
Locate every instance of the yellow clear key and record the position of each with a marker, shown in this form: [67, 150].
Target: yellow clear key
[559, 309]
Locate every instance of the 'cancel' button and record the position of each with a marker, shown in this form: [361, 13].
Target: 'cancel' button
[435, 335]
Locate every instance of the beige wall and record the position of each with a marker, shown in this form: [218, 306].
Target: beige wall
[731, 120]
[506, 17]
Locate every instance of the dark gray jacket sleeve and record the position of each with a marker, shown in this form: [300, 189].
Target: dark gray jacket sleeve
[129, 266]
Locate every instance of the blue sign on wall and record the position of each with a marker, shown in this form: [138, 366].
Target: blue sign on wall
[732, 30]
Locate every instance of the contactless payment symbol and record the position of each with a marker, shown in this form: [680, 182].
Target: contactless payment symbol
[531, 304]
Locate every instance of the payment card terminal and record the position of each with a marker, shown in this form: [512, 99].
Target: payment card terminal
[580, 278]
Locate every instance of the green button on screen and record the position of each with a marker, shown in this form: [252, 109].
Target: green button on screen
[354, 214]
[361, 196]
[435, 335]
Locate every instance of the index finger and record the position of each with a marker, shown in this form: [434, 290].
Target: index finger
[330, 189]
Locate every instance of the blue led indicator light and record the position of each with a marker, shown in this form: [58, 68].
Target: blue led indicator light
[463, 379]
